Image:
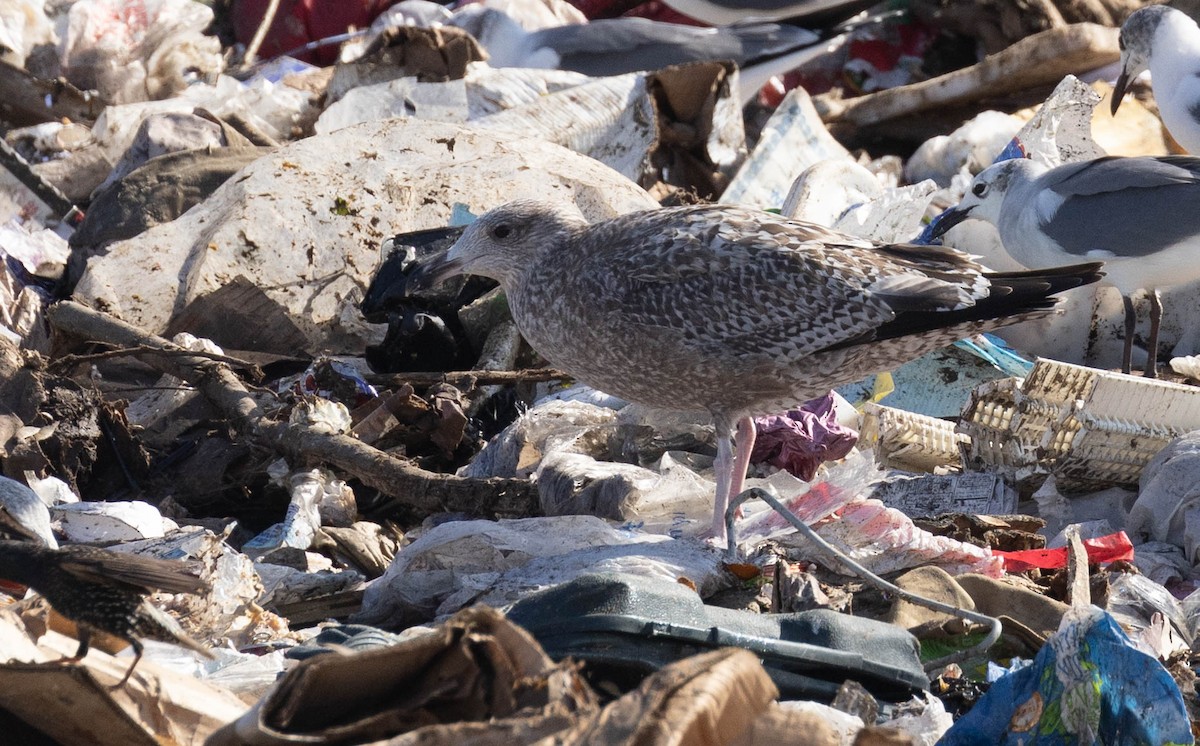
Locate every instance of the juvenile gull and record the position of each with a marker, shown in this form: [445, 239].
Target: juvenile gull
[1138, 215]
[731, 311]
[1167, 42]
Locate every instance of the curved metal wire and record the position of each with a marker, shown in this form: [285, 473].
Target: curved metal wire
[870, 577]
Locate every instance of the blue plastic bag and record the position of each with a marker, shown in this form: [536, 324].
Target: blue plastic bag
[1088, 684]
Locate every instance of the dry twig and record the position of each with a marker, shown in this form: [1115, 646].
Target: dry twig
[466, 379]
[260, 33]
[67, 361]
[409, 485]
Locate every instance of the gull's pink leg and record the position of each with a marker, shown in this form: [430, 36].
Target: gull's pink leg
[723, 471]
[743, 447]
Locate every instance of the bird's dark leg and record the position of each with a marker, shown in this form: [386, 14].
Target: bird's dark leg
[85, 638]
[138, 648]
[1156, 313]
[1130, 322]
[723, 471]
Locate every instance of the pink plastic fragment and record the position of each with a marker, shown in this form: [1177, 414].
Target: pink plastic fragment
[881, 538]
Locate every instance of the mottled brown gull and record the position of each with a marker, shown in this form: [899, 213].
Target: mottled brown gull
[731, 311]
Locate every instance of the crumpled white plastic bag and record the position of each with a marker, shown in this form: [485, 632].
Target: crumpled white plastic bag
[138, 50]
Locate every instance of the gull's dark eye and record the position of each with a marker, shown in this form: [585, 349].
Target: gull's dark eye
[979, 189]
[502, 231]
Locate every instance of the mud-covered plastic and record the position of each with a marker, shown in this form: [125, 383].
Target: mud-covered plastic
[625, 627]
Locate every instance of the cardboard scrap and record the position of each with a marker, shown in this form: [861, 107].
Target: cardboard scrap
[478, 667]
[72, 702]
[480, 679]
[707, 699]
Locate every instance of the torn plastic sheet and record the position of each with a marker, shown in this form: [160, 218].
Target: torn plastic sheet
[621, 120]
[1150, 614]
[670, 499]
[885, 540]
[498, 562]
[552, 425]
[570, 447]
[796, 129]
[230, 609]
[134, 50]
[844, 195]
[1168, 502]
[880, 538]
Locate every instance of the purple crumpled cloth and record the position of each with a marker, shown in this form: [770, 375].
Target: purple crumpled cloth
[802, 439]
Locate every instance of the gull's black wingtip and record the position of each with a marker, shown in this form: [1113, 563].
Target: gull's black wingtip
[1055, 279]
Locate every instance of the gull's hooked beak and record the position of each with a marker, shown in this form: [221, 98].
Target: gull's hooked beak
[949, 219]
[1119, 87]
[437, 268]
[433, 272]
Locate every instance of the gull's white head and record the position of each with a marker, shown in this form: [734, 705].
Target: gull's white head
[984, 199]
[503, 242]
[1142, 31]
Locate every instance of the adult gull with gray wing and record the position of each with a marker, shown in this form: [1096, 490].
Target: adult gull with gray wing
[1138, 215]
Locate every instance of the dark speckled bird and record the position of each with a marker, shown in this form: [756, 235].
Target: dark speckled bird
[732, 311]
[103, 591]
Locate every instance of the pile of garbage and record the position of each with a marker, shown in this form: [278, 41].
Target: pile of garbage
[259, 487]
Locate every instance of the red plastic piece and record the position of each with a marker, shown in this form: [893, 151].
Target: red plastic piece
[1101, 549]
[298, 22]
